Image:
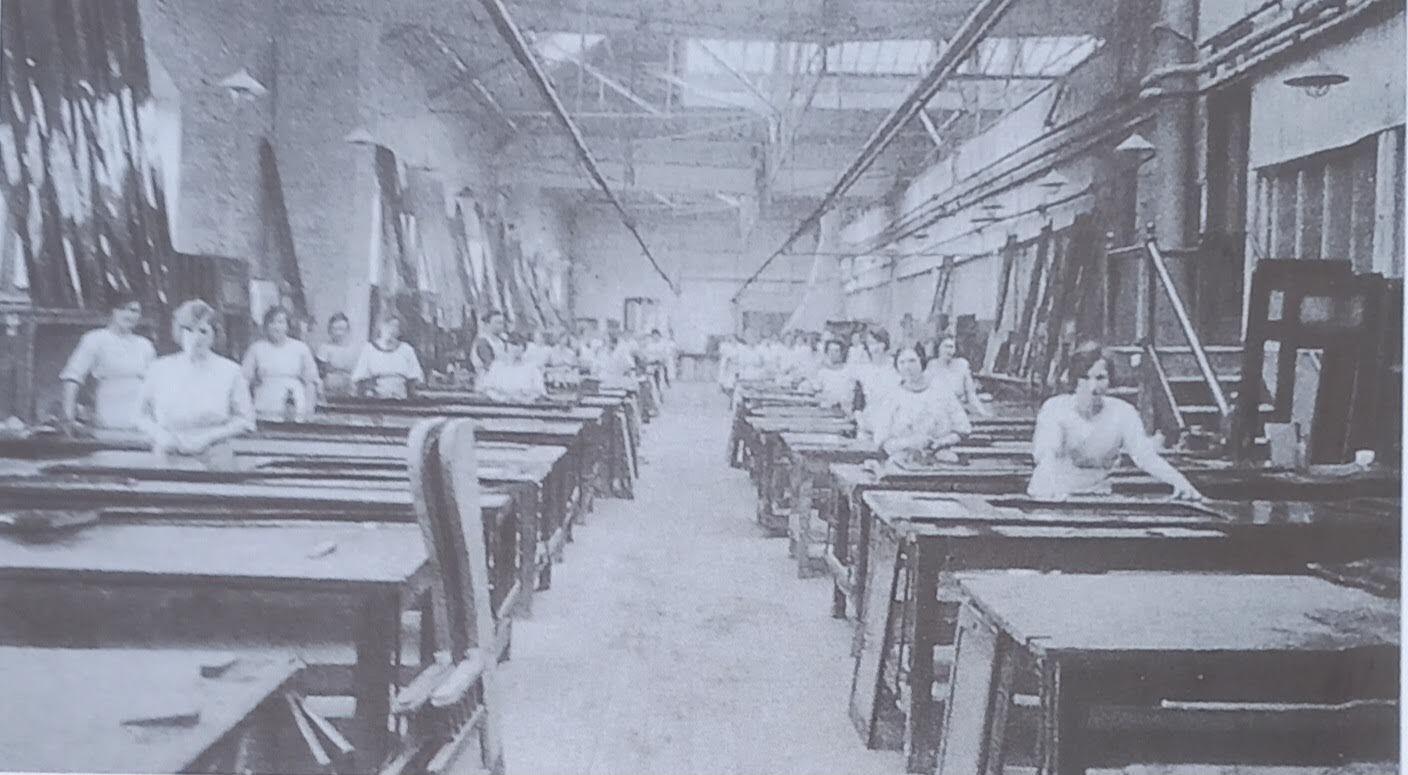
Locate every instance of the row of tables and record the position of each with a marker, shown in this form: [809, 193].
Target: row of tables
[992, 631]
[306, 569]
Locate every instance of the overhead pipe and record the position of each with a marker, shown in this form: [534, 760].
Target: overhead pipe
[1276, 40]
[1284, 42]
[973, 29]
[1307, 17]
[513, 36]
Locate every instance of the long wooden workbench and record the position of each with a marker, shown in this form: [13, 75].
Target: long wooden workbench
[145, 710]
[920, 538]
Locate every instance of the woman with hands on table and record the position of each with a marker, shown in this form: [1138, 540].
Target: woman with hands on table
[834, 382]
[194, 402]
[388, 367]
[1081, 435]
[919, 419]
[513, 377]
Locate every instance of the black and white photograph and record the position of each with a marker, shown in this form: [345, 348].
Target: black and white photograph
[702, 387]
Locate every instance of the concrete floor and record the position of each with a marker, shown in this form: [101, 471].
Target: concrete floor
[677, 640]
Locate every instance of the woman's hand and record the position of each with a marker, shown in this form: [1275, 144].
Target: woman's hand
[163, 441]
[1185, 491]
[944, 442]
[192, 443]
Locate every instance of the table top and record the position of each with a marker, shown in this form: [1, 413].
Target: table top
[493, 464]
[325, 495]
[1181, 612]
[802, 424]
[75, 701]
[391, 424]
[286, 554]
[899, 507]
[794, 410]
[475, 410]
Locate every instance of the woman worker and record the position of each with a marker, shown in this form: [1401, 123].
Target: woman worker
[949, 372]
[513, 377]
[1080, 436]
[282, 371]
[116, 358]
[878, 379]
[834, 382]
[194, 401]
[918, 418]
[387, 367]
[338, 356]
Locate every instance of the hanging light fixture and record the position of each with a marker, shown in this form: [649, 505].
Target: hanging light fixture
[360, 136]
[242, 86]
[1136, 144]
[1316, 79]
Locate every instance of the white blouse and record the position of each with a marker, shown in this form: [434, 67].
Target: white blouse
[514, 382]
[338, 360]
[277, 371]
[1075, 454]
[930, 413]
[185, 395]
[390, 371]
[836, 386]
[117, 363]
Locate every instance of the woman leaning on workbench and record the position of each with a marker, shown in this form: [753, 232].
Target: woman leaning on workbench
[1081, 435]
[194, 402]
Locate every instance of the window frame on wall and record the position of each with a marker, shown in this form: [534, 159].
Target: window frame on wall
[1328, 206]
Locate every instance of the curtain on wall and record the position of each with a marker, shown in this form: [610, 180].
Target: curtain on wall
[84, 202]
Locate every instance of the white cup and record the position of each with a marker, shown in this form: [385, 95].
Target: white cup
[1364, 458]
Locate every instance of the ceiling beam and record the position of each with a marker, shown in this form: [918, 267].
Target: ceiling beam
[616, 86]
[513, 36]
[932, 130]
[976, 27]
[804, 20]
[481, 94]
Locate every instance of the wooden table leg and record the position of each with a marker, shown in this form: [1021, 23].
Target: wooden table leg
[861, 524]
[963, 742]
[802, 507]
[923, 624]
[530, 529]
[373, 676]
[427, 628]
[838, 543]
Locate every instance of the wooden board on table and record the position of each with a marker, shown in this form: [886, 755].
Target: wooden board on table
[300, 554]
[227, 501]
[1182, 612]
[74, 702]
[899, 506]
[263, 469]
[589, 414]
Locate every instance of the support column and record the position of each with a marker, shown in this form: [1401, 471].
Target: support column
[1175, 215]
[326, 69]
